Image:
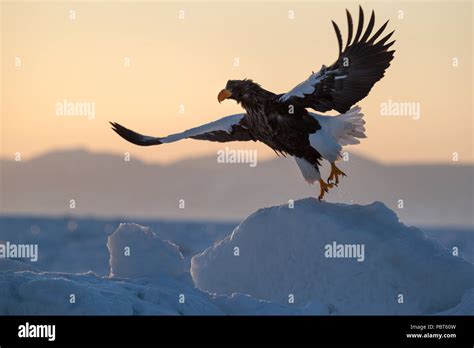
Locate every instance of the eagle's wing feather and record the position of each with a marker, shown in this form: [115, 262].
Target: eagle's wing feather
[359, 66]
[229, 128]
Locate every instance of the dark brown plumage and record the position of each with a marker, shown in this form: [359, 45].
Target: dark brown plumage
[363, 61]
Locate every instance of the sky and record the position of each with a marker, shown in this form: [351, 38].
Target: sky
[157, 67]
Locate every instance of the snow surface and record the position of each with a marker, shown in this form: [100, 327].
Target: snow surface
[131, 244]
[152, 280]
[78, 245]
[281, 256]
[281, 253]
[29, 293]
[466, 307]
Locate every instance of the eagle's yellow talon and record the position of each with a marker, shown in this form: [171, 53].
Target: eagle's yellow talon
[324, 188]
[335, 172]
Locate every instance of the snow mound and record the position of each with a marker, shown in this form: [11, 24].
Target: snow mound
[136, 251]
[353, 259]
[31, 293]
[466, 307]
[14, 265]
[147, 277]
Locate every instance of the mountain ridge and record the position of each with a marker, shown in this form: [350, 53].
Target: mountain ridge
[104, 184]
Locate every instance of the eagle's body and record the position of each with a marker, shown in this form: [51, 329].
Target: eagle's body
[283, 122]
[271, 123]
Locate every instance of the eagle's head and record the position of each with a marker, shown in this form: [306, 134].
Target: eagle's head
[242, 91]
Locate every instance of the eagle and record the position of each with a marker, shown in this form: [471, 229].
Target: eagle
[283, 121]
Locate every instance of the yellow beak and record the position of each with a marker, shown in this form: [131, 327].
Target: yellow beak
[224, 94]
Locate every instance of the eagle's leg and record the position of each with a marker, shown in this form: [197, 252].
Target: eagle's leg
[335, 172]
[324, 188]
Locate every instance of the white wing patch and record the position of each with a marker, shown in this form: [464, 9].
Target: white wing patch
[223, 124]
[309, 85]
[337, 131]
[310, 173]
[306, 87]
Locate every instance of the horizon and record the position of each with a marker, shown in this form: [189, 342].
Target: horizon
[214, 155]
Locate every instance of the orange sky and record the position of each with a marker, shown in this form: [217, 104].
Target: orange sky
[187, 61]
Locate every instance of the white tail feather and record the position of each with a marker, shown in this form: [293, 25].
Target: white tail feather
[335, 132]
[346, 129]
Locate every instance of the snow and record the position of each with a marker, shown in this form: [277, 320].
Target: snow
[465, 307]
[14, 265]
[136, 251]
[28, 293]
[279, 253]
[281, 267]
[152, 280]
[77, 245]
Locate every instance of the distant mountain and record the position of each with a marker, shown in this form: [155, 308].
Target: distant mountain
[106, 185]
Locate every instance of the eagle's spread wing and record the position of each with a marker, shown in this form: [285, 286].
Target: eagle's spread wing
[359, 66]
[230, 128]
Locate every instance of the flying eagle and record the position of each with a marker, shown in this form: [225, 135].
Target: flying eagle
[283, 122]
